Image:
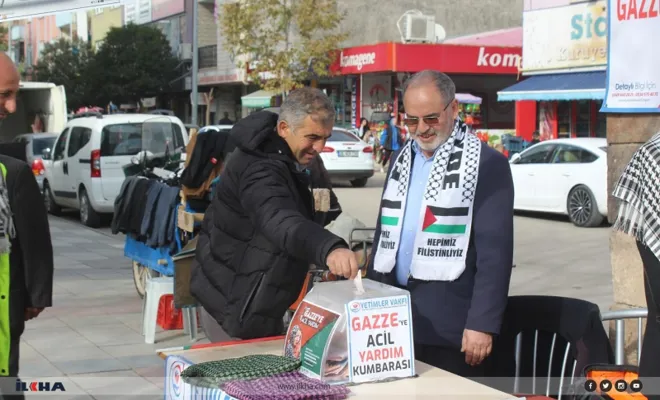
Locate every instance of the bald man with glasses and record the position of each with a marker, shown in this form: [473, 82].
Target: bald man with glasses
[445, 230]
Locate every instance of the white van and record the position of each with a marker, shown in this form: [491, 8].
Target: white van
[44, 99]
[85, 168]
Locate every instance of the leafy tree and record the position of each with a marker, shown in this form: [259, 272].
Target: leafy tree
[66, 62]
[283, 42]
[134, 61]
[3, 38]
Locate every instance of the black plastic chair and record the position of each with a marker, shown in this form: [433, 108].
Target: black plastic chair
[545, 343]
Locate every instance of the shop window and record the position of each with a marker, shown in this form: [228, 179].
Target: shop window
[546, 117]
[583, 119]
[335, 93]
[564, 109]
[601, 118]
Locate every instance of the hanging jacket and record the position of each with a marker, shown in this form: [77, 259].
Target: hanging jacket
[258, 237]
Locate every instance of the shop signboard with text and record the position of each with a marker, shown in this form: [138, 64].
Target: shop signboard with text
[19, 9]
[364, 59]
[633, 76]
[569, 37]
[457, 59]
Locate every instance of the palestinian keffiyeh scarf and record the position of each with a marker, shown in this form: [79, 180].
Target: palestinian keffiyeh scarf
[7, 230]
[286, 386]
[212, 374]
[638, 190]
[442, 239]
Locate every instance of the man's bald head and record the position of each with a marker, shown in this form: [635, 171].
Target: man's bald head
[9, 84]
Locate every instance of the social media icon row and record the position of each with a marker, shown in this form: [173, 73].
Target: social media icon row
[620, 385]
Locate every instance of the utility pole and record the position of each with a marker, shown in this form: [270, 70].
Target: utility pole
[195, 64]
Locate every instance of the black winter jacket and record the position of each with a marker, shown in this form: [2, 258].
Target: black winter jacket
[258, 236]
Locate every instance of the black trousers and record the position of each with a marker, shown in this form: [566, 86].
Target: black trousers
[448, 359]
[8, 383]
[385, 157]
[649, 363]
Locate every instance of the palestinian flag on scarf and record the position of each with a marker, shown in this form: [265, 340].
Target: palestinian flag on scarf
[390, 212]
[448, 221]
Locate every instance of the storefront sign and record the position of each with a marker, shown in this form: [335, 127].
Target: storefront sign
[457, 59]
[364, 59]
[16, 9]
[573, 36]
[380, 339]
[633, 77]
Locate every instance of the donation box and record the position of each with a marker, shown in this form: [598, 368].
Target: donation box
[343, 336]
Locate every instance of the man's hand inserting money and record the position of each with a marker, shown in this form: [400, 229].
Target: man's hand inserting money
[342, 262]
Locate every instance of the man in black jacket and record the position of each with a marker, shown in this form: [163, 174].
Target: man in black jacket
[26, 252]
[259, 235]
[445, 230]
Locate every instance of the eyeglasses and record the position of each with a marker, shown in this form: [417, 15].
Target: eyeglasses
[430, 120]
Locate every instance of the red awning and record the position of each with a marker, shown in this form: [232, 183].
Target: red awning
[511, 37]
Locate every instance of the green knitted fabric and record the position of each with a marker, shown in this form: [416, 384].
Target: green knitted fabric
[212, 374]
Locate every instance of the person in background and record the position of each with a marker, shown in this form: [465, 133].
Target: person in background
[261, 233]
[363, 129]
[26, 251]
[390, 141]
[536, 138]
[225, 120]
[445, 230]
[638, 192]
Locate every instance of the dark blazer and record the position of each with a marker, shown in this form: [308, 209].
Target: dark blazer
[477, 299]
[31, 258]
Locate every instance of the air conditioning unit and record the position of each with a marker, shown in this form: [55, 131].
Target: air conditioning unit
[185, 51]
[419, 28]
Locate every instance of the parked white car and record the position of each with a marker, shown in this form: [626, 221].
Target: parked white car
[563, 176]
[345, 156]
[85, 169]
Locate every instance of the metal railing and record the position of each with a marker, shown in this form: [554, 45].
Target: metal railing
[619, 317]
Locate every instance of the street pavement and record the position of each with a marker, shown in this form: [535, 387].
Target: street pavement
[94, 328]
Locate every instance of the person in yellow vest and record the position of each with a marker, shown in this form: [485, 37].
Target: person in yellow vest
[26, 251]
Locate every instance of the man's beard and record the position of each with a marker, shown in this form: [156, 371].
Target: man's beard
[432, 146]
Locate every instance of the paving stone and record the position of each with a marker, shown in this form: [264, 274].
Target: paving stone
[121, 384]
[92, 365]
[102, 335]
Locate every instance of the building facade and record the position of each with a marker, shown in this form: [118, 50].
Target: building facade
[101, 20]
[27, 38]
[564, 63]
[379, 28]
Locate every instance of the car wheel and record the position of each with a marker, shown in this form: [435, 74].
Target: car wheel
[88, 216]
[362, 182]
[49, 201]
[582, 207]
[140, 274]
